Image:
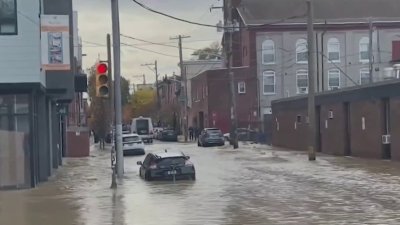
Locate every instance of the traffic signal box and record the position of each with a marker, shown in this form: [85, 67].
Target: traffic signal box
[102, 81]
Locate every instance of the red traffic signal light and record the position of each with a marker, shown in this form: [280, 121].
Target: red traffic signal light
[102, 68]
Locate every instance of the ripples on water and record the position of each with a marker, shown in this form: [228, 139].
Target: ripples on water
[250, 186]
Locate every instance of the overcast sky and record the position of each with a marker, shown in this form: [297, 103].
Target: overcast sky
[94, 20]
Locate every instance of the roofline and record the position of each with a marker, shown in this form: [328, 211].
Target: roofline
[195, 62]
[330, 23]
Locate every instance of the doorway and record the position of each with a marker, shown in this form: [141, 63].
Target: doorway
[386, 150]
[201, 120]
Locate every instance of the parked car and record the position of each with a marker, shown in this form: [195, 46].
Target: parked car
[132, 145]
[211, 136]
[166, 165]
[244, 134]
[168, 135]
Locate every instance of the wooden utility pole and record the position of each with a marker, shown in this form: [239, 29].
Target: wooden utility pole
[311, 85]
[228, 52]
[184, 80]
[156, 73]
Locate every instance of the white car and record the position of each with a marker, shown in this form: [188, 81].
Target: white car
[132, 144]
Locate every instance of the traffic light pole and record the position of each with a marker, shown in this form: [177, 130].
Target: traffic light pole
[117, 87]
[111, 83]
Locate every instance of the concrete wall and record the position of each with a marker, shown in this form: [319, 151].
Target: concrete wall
[351, 121]
[20, 55]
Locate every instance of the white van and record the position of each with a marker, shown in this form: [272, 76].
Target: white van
[143, 126]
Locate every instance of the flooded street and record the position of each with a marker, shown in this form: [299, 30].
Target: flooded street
[253, 185]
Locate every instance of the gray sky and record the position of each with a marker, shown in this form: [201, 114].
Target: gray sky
[95, 22]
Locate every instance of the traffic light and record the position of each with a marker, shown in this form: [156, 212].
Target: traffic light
[102, 84]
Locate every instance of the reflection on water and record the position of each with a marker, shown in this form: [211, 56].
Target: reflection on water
[249, 186]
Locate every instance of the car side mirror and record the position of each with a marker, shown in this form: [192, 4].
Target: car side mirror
[139, 163]
[187, 157]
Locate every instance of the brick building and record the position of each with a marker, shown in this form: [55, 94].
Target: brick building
[357, 121]
[211, 99]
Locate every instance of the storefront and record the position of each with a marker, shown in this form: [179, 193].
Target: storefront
[30, 139]
[15, 141]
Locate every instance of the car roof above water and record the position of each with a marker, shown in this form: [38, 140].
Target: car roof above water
[167, 154]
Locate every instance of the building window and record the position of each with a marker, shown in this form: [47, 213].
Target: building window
[364, 49]
[301, 51]
[333, 50]
[334, 79]
[268, 52]
[364, 76]
[242, 87]
[269, 82]
[8, 17]
[302, 81]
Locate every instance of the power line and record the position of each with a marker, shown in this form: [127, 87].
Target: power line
[213, 26]
[154, 43]
[148, 50]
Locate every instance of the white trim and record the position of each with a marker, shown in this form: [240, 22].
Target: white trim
[301, 90]
[363, 71]
[363, 41]
[269, 73]
[333, 43]
[337, 71]
[300, 42]
[239, 87]
[268, 43]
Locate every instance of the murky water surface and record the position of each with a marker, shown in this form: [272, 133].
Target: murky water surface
[254, 185]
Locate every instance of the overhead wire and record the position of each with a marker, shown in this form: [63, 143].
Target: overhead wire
[215, 26]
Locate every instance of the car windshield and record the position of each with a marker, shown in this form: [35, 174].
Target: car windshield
[167, 162]
[131, 139]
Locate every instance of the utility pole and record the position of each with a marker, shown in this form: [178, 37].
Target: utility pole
[311, 85]
[184, 79]
[144, 79]
[156, 73]
[370, 52]
[228, 52]
[117, 88]
[111, 84]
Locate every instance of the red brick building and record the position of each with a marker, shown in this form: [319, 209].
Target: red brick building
[211, 98]
[169, 89]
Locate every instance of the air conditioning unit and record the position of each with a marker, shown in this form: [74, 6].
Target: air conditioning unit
[330, 114]
[334, 88]
[303, 90]
[386, 139]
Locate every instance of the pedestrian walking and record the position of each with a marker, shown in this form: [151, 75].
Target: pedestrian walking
[196, 133]
[191, 134]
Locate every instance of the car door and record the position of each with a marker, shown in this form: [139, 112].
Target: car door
[145, 165]
[202, 137]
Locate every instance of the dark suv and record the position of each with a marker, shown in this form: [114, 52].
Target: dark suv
[166, 165]
[211, 136]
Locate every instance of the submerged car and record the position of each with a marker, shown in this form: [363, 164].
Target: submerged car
[132, 145]
[166, 165]
[211, 136]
